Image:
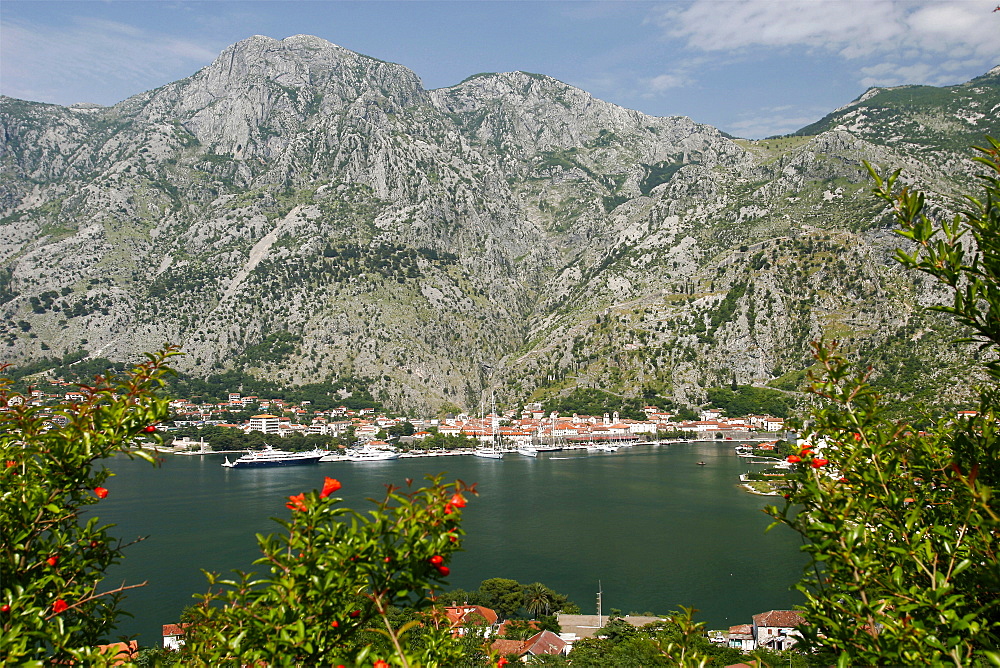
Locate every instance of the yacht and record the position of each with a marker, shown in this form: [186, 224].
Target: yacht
[273, 457]
[371, 455]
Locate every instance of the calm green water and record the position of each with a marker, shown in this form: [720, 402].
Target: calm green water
[654, 528]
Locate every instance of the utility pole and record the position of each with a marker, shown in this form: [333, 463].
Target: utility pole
[600, 592]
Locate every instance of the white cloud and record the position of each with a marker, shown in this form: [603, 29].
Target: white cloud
[663, 82]
[771, 122]
[92, 60]
[928, 36]
[723, 26]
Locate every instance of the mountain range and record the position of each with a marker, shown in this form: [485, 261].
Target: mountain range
[301, 213]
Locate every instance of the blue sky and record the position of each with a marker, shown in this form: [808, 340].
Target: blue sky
[749, 67]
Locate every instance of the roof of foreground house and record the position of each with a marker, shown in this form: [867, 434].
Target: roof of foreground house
[779, 618]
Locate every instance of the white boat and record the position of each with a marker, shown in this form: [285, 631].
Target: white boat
[371, 455]
[602, 447]
[333, 456]
[527, 452]
[272, 457]
[488, 453]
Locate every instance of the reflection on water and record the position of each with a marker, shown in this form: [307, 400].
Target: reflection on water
[654, 528]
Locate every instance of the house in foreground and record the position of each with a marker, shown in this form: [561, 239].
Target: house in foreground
[774, 629]
[543, 642]
[461, 617]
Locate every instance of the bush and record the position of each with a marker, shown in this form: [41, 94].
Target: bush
[334, 576]
[902, 524]
[52, 560]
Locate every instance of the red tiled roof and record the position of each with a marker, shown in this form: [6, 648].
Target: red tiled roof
[173, 629]
[503, 646]
[545, 642]
[779, 618]
[119, 652]
[460, 614]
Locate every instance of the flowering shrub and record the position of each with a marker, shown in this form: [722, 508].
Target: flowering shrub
[904, 537]
[334, 576]
[52, 555]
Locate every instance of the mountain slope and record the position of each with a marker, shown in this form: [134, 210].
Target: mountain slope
[299, 212]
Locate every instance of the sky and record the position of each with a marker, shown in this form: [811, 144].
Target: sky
[752, 68]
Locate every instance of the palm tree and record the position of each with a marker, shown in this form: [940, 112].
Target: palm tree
[538, 598]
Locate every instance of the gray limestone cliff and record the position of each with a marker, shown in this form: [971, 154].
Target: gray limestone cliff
[295, 191]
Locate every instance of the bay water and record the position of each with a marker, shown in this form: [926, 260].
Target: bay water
[647, 526]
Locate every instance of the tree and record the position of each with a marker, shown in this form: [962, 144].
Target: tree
[538, 598]
[52, 559]
[903, 525]
[502, 595]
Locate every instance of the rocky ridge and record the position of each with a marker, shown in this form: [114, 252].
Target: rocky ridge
[295, 192]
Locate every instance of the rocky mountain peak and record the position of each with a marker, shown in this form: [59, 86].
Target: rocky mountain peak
[259, 89]
[300, 212]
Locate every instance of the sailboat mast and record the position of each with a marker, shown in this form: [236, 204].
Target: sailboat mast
[495, 422]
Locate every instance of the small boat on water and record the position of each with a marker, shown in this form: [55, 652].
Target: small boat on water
[527, 452]
[371, 455]
[701, 463]
[270, 456]
[488, 453]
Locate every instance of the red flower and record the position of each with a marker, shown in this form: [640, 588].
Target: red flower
[458, 500]
[794, 459]
[380, 664]
[453, 539]
[443, 570]
[436, 560]
[297, 502]
[10, 463]
[819, 461]
[149, 429]
[53, 560]
[354, 614]
[448, 509]
[806, 452]
[100, 492]
[59, 606]
[4, 608]
[857, 436]
[335, 623]
[502, 661]
[329, 487]
[787, 496]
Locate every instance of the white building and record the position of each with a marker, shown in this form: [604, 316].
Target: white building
[265, 423]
